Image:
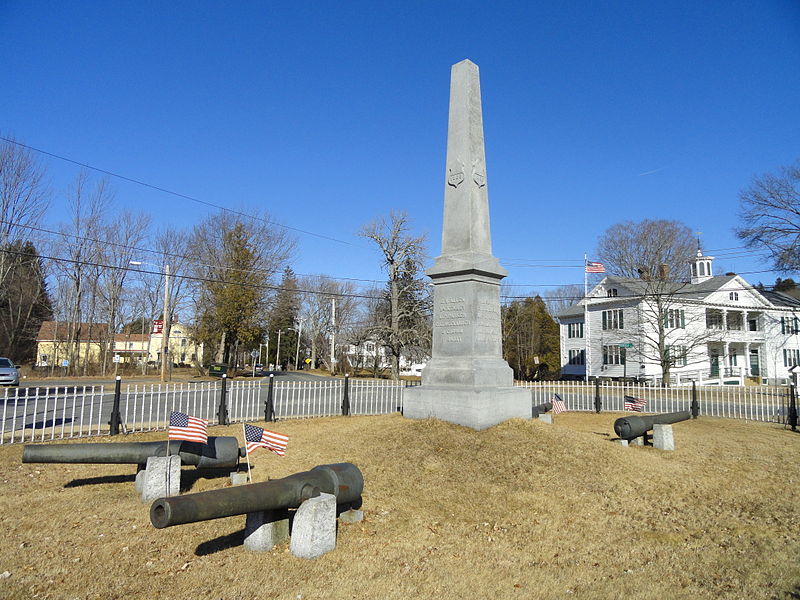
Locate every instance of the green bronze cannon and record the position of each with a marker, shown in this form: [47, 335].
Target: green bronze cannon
[343, 480]
[541, 409]
[218, 453]
[629, 428]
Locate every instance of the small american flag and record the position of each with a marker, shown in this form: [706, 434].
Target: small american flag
[595, 267]
[255, 437]
[190, 429]
[635, 404]
[558, 405]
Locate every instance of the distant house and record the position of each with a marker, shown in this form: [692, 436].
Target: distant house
[716, 329]
[181, 345]
[58, 341]
[371, 354]
[132, 348]
[90, 341]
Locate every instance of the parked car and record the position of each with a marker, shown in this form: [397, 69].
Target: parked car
[8, 372]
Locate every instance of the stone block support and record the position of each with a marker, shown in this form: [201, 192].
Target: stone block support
[263, 530]
[546, 418]
[162, 477]
[314, 527]
[663, 438]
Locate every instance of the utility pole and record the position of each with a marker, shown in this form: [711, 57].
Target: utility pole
[278, 353]
[333, 335]
[297, 352]
[165, 330]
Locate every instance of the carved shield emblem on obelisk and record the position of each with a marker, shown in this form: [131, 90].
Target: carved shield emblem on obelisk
[479, 173]
[455, 173]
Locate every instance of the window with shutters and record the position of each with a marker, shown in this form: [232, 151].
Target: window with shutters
[575, 330]
[613, 355]
[676, 319]
[790, 325]
[791, 358]
[577, 357]
[612, 319]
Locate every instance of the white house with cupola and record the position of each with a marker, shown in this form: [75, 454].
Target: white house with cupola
[708, 328]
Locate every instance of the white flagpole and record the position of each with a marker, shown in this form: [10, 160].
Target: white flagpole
[247, 454]
[586, 329]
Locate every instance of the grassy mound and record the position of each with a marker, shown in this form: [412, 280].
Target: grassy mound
[521, 510]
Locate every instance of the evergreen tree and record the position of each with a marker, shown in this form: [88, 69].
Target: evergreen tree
[233, 298]
[531, 340]
[283, 317]
[24, 301]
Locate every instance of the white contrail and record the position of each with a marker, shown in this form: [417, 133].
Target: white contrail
[651, 172]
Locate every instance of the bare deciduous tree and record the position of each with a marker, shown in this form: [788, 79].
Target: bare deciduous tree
[655, 255]
[770, 213]
[646, 248]
[403, 256]
[562, 297]
[23, 197]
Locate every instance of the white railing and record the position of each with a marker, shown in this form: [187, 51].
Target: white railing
[41, 414]
[752, 403]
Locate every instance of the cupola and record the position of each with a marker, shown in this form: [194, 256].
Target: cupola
[701, 267]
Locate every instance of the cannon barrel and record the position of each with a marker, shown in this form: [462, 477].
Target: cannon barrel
[343, 480]
[218, 453]
[541, 408]
[629, 428]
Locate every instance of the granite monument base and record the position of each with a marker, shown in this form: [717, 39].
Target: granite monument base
[472, 407]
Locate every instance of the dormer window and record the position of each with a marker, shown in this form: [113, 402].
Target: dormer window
[734, 296]
[612, 293]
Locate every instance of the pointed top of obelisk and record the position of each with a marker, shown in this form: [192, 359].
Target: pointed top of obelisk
[466, 238]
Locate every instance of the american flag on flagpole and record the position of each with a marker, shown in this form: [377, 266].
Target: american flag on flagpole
[558, 405]
[190, 429]
[595, 267]
[255, 437]
[634, 404]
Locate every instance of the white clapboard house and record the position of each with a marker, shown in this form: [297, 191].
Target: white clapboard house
[711, 329]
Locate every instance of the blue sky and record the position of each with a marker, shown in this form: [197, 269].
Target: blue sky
[330, 114]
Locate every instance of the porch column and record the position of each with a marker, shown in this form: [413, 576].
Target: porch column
[747, 359]
[725, 353]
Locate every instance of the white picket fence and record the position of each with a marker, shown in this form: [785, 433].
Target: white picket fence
[41, 414]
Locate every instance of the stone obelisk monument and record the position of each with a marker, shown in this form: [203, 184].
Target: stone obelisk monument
[466, 381]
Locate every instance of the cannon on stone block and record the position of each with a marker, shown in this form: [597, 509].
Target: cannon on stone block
[540, 409]
[218, 453]
[343, 480]
[630, 428]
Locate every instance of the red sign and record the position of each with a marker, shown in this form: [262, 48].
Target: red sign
[158, 326]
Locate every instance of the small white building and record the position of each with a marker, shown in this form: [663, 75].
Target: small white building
[713, 329]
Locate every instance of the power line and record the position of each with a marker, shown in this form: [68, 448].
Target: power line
[173, 193]
[161, 254]
[194, 278]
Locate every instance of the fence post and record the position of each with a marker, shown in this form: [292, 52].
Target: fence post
[598, 403]
[116, 418]
[793, 408]
[269, 406]
[695, 403]
[346, 398]
[222, 413]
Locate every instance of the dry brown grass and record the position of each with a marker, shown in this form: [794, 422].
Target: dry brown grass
[522, 510]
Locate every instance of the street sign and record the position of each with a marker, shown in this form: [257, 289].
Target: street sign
[254, 353]
[628, 345]
[158, 326]
[116, 358]
[308, 361]
[65, 363]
